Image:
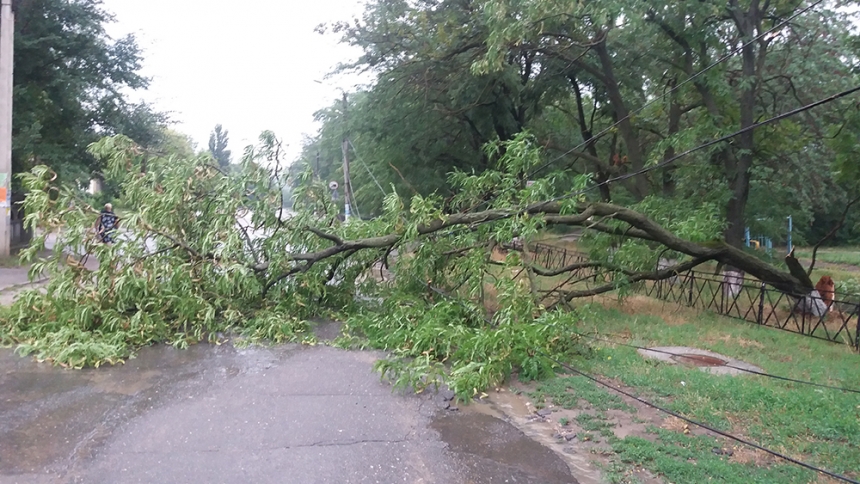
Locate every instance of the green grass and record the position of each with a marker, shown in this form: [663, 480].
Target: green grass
[832, 255]
[10, 262]
[818, 426]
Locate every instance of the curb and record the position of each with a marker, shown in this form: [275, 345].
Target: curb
[15, 287]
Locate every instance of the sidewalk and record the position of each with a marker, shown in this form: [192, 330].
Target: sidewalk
[14, 280]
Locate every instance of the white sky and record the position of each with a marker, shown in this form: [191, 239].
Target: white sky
[249, 65]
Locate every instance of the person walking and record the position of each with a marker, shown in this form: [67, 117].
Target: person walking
[107, 224]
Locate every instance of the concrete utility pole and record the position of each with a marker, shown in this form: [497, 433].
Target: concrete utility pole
[347, 189]
[7, 38]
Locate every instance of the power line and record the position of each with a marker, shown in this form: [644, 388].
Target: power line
[355, 204]
[699, 424]
[710, 143]
[361, 160]
[678, 86]
[747, 370]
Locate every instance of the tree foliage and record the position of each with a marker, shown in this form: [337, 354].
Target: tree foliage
[608, 88]
[70, 87]
[203, 253]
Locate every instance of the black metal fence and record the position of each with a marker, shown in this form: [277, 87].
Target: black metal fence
[19, 236]
[759, 303]
[738, 297]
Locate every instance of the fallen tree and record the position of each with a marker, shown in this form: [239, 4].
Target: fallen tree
[204, 253]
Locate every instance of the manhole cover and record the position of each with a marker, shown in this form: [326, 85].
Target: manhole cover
[704, 360]
[691, 359]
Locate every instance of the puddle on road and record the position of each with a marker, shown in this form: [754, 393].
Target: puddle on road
[502, 449]
[515, 412]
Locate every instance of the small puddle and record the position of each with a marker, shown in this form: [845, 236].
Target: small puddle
[501, 449]
[704, 360]
[691, 359]
[514, 410]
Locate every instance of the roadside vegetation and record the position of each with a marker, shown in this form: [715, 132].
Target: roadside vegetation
[816, 425]
[490, 125]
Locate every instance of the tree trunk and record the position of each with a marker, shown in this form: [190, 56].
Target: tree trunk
[601, 174]
[628, 132]
[738, 168]
[674, 126]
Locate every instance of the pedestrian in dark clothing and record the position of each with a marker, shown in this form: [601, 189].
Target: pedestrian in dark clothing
[107, 224]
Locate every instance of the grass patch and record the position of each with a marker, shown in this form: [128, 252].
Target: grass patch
[567, 392]
[833, 255]
[818, 426]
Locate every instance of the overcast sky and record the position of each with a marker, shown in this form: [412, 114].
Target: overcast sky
[249, 64]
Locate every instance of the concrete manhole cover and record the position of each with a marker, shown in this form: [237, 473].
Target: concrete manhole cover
[702, 359]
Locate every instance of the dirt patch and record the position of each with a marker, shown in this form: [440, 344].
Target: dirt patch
[581, 435]
[638, 305]
[674, 424]
[735, 340]
[748, 455]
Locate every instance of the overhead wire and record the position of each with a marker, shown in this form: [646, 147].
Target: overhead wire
[727, 365]
[699, 424]
[721, 139]
[361, 160]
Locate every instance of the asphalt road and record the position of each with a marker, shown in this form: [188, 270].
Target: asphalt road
[215, 414]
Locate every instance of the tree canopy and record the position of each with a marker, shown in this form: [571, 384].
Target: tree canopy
[608, 88]
[71, 87]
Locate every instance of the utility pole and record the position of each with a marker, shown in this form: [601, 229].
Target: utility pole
[347, 189]
[7, 38]
[317, 168]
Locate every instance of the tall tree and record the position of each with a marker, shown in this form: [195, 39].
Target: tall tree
[608, 88]
[70, 84]
[218, 146]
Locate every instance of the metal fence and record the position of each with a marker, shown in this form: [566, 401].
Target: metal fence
[738, 297]
[19, 236]
[759, 303]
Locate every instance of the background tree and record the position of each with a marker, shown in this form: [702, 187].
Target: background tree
[69, 87]
[177, 144]
[218, 146]
[608, 88]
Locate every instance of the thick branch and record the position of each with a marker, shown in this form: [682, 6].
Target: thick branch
[640, 227]
[323, 235]
[632, 277]
[542, 271]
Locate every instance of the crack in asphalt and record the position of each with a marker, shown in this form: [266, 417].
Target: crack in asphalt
[322, 443]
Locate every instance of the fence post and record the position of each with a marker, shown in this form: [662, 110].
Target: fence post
[789, 235]
[692, 286]
[857, 331]
[723, 295]
[761, 306]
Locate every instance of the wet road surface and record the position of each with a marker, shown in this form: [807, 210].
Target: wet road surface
[216, 414]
